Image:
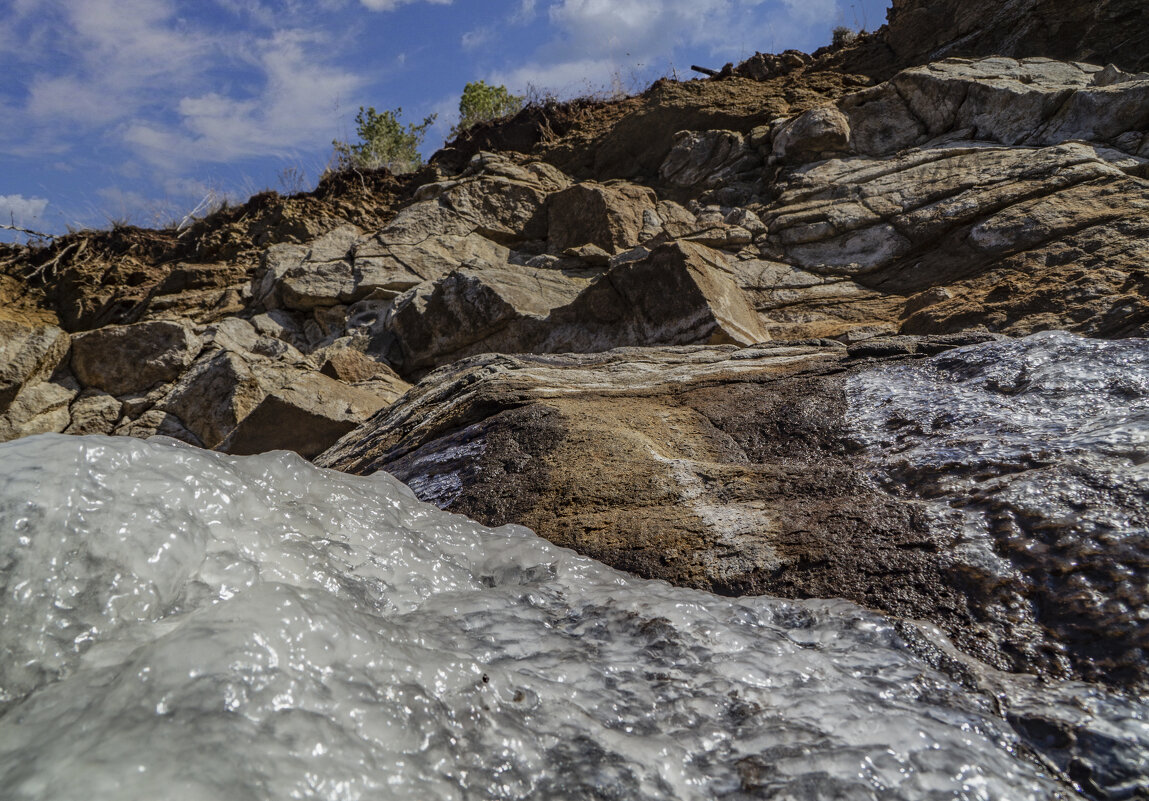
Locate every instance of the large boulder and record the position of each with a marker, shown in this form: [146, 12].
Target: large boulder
[679, 293]
[240, 401]
[817, 134]
[306, 276]
[608, 216]
[1032, 101]
[502, 200]
[122, 359]
[28, 355]
[214, 395]
[703, 160]
[425, 241]
[474, 309]
[94, 412]
[41, 407]
[306, 414]
[960, 234]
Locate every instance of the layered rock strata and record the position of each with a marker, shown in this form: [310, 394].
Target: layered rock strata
[803, 470]
[1000, 194]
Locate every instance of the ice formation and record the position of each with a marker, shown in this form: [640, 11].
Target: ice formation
[181, 624]
[1034, 456]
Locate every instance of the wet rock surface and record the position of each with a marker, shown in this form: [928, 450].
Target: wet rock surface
[907, 482]
[1034, 451]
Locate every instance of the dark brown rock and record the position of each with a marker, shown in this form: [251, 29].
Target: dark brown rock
[1097, 31]
[306, 415]
[719, 468]
[593, 214]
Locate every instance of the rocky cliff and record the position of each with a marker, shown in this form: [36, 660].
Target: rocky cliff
[663, 331]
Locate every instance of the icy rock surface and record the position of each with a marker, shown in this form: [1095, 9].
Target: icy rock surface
[1034, 454]
[180, 624]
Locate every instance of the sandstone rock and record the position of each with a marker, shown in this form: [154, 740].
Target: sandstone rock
[239, 336]
[348, 364]
[281, 325]
[817, 134]
[592, 255]
[609, 216]
[28, 355]
[307, 414]
[307, 276]
[425, 241]
[122, 359]
[234, 334]
[94, 412]
[673, 220]
[351, 365]
[680, 293]
[475, 309]
[1060, 221]
[158, 423]
[1032, 102]
[213, 396]
[707, 159]
[502, 200]
[39, 408]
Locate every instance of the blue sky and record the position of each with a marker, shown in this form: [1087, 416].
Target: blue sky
[138, 110]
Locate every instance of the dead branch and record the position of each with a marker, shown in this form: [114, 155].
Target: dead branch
[27, 231]
[44, 269]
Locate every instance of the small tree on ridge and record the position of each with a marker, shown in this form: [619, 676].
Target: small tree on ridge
[383, 142]
[483, 103]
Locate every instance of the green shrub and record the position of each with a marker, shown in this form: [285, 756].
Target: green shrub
[482, 103]
[383, 142]
[843, 35]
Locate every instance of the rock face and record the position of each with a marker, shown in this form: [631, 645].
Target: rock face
[306, 415]
[690, 333]
[820, 470]
[28, 355]
[1099, 31]
[122, 359]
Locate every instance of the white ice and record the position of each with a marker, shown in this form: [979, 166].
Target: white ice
[179, 624]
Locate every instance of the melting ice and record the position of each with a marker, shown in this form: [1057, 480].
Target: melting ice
[1034, 454]
[181, 624]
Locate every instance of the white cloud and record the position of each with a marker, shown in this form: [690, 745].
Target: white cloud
[21, 211]
[612, 27]
[477, 38]
[293, 108]
[145, 76]
[391, 5]
[525, 13]
[564, 78]
[596, 41]
[128, 53]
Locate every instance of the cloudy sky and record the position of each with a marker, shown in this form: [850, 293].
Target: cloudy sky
[138, 110]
